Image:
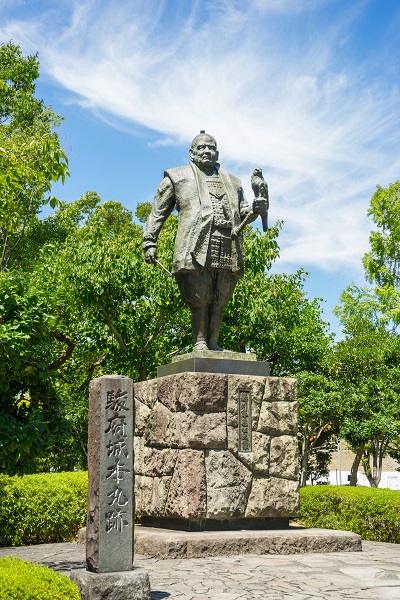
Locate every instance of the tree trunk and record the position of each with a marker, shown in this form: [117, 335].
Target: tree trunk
[356, 464]
[304, 460]
[378, 451]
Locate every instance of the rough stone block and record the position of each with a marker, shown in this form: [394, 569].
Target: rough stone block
[146, 391]
[228, 483]
[151, 495]
[194, 430]
[280, 388]
[126, 585]
[278, 418]
[194, 391]
[142, 414]
[258, 460]
[153, 462]
[273, 497]
[284, 457]
[187, 493]
[158, 429]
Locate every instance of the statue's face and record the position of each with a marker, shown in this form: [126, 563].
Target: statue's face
[204, 152]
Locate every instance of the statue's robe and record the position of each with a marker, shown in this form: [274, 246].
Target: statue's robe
[185, 189]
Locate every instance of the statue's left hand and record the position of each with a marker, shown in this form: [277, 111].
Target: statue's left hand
[150, 255]
[260, 206]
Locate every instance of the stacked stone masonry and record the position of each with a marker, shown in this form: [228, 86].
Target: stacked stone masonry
[216, 447]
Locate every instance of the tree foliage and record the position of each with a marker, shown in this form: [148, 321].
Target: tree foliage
[322, 407]
[30, 154]
[382, 263]
[368, 359]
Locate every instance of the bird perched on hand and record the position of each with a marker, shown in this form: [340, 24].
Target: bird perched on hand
[260, 190]
[259, 185]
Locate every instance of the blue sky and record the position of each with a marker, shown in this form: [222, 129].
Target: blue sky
[307, 89]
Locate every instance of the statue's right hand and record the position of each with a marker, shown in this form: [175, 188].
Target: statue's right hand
[150, 255]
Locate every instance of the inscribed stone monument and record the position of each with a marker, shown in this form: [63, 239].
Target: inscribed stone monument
[110, 573]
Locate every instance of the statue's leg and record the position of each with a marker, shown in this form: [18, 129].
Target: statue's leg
[196, 291]
[224, 285]
[199, 320]
[214, 326]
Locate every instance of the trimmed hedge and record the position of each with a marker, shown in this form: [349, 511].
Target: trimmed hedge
[22, 580]
[372, 513]
[44, 508]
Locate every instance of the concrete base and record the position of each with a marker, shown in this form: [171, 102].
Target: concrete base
[129, 585]
[209, 361]
[165, 543]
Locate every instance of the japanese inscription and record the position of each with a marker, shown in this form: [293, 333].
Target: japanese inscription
[111, 481]
[117, 468]
[245, 428]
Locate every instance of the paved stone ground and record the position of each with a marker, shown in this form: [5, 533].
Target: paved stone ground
[373, 574]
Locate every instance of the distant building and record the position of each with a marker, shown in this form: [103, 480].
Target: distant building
[339, 470]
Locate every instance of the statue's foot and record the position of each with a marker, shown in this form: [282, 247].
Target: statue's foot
[199, 346]
[215, 347]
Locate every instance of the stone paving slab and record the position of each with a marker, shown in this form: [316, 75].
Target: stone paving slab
[373, 574]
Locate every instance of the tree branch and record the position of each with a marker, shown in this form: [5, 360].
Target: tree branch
[156, 332]
[25, 221]
[90, 373]
[4, 253]
[67, 354]
[112, 328]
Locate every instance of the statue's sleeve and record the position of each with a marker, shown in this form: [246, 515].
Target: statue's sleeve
[244, 208]
[163, 205]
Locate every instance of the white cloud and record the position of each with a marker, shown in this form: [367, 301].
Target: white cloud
[278, 93]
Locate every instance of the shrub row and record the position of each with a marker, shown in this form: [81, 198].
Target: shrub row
[45, 508]
[372, 513]
[21, 580]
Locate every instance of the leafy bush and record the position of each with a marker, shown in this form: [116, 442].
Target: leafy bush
[21, 580]
[45, 508]
[372, 513]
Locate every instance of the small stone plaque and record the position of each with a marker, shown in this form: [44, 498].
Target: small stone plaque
[110, 524]
[245, 425]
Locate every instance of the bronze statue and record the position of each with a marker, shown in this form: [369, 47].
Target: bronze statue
[208, 255]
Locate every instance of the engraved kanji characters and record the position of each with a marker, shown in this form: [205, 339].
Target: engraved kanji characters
[117, 470]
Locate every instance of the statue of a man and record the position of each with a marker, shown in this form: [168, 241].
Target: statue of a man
[208, 260]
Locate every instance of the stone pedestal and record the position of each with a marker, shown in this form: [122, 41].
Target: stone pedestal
[127, 585]
[216, 451]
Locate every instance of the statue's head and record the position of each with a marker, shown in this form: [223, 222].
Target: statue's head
[203, 151]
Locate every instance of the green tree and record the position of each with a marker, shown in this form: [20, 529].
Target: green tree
[382, 262]
[30, 154]
[322, 407]
[30, 159]
[271, 314]
[31, 419]
[368, 358]
[367, 363]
